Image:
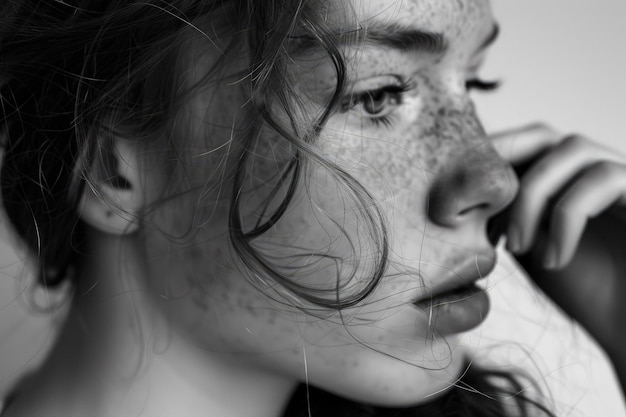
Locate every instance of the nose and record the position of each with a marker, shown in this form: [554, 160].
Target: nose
[475, 184]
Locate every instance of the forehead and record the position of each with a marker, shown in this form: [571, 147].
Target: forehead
[452, 17]
[437, 13]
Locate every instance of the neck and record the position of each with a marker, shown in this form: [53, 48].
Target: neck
[117, 355]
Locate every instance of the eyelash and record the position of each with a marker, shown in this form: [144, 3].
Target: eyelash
[479, 84]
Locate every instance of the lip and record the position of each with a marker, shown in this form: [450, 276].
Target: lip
[479, 267]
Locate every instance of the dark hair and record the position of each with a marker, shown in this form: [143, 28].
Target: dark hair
[69, 70]
[72, 70]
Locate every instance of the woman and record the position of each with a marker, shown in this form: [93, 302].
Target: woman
[247, 196]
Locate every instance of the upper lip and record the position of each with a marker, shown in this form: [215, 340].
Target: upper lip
[479, 267]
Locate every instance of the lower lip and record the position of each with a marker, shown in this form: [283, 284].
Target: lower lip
[457, 311]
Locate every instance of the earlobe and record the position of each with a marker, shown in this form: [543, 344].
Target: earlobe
[113, 198]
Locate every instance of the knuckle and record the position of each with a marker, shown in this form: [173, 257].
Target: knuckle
[540, 127]
[606, 169]
[575, 141]
[566, 208]
[543, 130]
[562, 206]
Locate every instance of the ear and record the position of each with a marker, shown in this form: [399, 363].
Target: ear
[113, 197]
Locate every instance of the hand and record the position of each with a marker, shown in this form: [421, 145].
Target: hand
[567, 226]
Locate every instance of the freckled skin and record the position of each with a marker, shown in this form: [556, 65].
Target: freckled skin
[429, 165]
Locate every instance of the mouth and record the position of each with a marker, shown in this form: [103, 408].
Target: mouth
[458, 304]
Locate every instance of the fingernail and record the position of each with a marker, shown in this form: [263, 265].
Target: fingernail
[551, 257]
[513, 239]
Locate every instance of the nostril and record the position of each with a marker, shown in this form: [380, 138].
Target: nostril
[480, 206]
[471, 191]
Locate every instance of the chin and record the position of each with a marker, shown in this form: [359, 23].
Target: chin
[401, 384]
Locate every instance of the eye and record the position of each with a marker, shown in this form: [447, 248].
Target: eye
[376, 104]
[377, 101]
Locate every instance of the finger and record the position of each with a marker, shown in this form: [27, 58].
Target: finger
[543, 181]
[522, 144]
[598, 188]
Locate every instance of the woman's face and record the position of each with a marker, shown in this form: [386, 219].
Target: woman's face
[408, 132]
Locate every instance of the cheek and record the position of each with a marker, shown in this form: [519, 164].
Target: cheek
[391, 163]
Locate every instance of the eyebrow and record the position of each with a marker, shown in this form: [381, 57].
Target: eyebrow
[401, 38]
[414, 40]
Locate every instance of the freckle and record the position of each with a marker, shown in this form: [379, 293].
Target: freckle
[355, 364]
